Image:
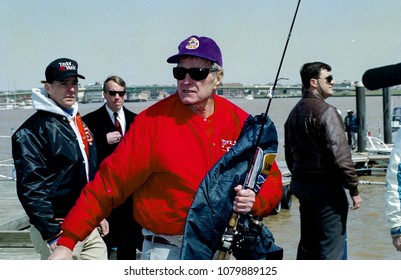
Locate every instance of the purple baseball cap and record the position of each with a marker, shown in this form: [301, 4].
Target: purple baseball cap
[202, 47]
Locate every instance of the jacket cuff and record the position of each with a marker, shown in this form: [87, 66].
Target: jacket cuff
[353, 191]
[54, 238]
[67, 242]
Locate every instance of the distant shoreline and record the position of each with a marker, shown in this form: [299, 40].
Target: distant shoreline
[336, 94]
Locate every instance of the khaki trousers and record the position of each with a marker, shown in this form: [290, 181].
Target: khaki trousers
[92, 248]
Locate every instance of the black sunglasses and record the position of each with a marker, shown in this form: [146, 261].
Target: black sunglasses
[114, 92]
[328, 78]
[197, 74]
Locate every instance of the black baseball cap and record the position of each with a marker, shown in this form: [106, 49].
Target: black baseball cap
[61, 69]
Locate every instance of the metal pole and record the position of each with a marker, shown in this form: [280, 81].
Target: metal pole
[361, 116]
[387, 129]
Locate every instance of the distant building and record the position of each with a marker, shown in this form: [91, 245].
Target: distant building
[344, 84]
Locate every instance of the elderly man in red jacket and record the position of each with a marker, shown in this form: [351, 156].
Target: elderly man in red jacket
[163, 158]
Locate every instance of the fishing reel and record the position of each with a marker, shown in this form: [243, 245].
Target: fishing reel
[249, 229]
[244, 236]
[228, 240]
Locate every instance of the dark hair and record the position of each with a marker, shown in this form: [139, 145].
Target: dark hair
[312, 70]
[116, 79]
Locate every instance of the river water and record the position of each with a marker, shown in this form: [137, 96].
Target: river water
[368, 233]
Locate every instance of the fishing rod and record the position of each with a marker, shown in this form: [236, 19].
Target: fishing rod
[271, 91]
[260, 164]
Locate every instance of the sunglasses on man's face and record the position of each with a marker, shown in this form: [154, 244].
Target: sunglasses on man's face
[328, 78]
[114, 92]
[197, 74]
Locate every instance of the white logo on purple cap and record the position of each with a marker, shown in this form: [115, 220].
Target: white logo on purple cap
[192, 44]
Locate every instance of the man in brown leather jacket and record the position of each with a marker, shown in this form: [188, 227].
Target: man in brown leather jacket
[319, 158]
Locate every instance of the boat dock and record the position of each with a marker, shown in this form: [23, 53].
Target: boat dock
[366, 162]
[15, 243]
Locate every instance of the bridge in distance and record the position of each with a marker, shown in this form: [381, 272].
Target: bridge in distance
[93, 93]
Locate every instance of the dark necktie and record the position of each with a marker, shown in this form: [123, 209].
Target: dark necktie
[117, 124]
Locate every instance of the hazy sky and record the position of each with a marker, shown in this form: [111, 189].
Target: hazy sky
[133, 38]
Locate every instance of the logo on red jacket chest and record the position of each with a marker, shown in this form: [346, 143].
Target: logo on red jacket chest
[226, 145]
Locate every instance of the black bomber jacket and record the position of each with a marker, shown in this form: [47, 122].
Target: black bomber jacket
[50, 169]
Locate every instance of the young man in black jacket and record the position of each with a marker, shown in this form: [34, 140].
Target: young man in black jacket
[55, 157]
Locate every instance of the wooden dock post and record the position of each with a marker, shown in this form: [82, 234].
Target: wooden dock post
[387, 110]
[361, 116]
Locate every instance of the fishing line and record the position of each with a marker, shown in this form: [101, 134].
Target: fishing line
[271, 91]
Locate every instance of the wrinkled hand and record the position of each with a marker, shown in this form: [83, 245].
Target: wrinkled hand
[61, 253]
[244, 200]
[397, 243]
[113, 137]
[103, 228]
[356, 202]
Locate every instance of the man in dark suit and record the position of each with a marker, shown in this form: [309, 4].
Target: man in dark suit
[109, 124]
